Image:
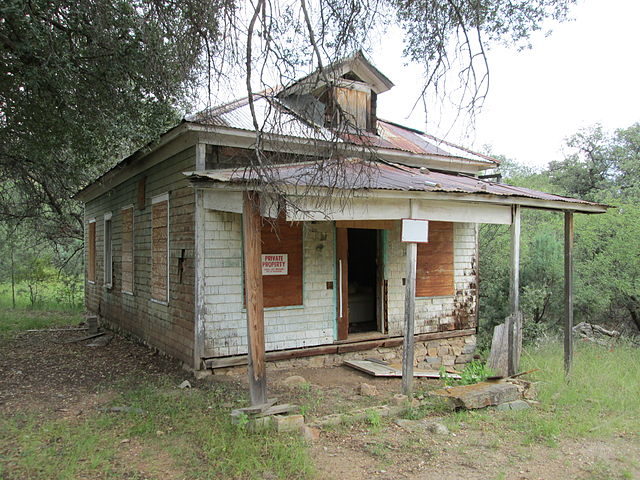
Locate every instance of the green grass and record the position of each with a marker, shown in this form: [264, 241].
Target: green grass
[599, 400]
[189, 427]
[52, 296]
[13, 321]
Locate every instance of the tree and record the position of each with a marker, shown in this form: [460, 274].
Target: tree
[87, 81]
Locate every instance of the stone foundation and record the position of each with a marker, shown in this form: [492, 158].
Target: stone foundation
[452, 352]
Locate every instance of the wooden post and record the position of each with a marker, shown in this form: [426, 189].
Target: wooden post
[251, 228]
[568, 292]
[514, 292]
[514, 279]
[409, 319]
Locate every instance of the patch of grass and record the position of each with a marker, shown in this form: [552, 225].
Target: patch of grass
[602, 470]
[12, 321]
[189, 427]
[600, 399]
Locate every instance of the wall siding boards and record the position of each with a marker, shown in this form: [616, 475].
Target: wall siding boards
[313, 323]
[285, 327]
[169, 328]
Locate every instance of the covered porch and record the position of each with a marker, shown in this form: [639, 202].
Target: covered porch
[344, 286]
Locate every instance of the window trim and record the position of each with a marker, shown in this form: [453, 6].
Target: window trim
[92, 282]
[108, 217]
[133, 250]
[164, 197]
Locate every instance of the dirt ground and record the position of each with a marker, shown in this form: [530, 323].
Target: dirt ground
[38, 372]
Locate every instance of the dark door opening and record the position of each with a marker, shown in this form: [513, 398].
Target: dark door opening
[362, 280]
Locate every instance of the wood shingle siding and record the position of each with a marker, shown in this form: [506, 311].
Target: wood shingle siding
[169, 328]
[159, 248]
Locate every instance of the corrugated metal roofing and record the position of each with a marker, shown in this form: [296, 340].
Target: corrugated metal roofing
[357, 174]
[275, 118]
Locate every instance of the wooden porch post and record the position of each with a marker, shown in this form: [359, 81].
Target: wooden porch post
[513, 323]
[409, 319]
[251, 228]
[568, 292]
[514, 279]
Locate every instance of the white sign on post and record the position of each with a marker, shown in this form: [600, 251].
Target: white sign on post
[275, 264]
[415, 231]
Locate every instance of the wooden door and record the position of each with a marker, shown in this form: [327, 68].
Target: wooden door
[342, 289]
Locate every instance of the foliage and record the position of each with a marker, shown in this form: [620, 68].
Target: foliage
[602, 167]
[87, 82]
[473, 372]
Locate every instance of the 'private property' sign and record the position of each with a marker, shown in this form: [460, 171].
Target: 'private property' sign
[275, 264]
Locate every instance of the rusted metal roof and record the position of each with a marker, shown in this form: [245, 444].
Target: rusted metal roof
[275, 117]
[357, 174]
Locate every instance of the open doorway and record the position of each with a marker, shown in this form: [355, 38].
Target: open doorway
[362, 279]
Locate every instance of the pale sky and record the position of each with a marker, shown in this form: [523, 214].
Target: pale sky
[586, 72]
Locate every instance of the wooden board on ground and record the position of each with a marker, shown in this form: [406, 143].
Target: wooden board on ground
[379, 369]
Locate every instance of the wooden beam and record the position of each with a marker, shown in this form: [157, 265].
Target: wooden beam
[514, 294]
[409, 319]
[385, 342]
[252, 247]
[514, 279]
[368, 224]
[568, 292]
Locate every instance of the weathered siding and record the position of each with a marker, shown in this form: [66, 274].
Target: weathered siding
[285, 327]
[314, 322]
[166, 327]
[433, 314]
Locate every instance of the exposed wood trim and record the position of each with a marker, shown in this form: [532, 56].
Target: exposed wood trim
[199, 292]
[252, 249]
[568, 291]
[367, 224]
[342, 269]
[386, 342]
[201, 156]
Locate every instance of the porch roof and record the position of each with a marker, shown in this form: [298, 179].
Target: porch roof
[357, 174]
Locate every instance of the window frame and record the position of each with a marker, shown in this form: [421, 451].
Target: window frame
[91, 252]
[164, 197]
[133, 250]
[108, 250]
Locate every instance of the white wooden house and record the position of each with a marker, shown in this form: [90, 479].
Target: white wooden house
[164, 230]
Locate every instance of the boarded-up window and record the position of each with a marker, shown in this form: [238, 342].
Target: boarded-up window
[108, 251]
[434, 276]
[285, 244]
[160, 248]
[91, 251]
[127, 250]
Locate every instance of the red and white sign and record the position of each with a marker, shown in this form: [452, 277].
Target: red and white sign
[275, 264]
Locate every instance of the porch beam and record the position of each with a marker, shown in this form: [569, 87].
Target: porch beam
[568, 291]
[252, 249]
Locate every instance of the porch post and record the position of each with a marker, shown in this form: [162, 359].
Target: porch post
[568, 292]
[251, 228]
[514, 279]
[409, 319]
[513, 323]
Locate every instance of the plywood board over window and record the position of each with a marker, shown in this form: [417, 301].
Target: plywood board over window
[283, 239]
[91, 250]
[434, 275]
[108, 251]
[127, 249]
[160, 248]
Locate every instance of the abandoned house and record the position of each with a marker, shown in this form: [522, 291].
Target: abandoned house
[164, 230]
